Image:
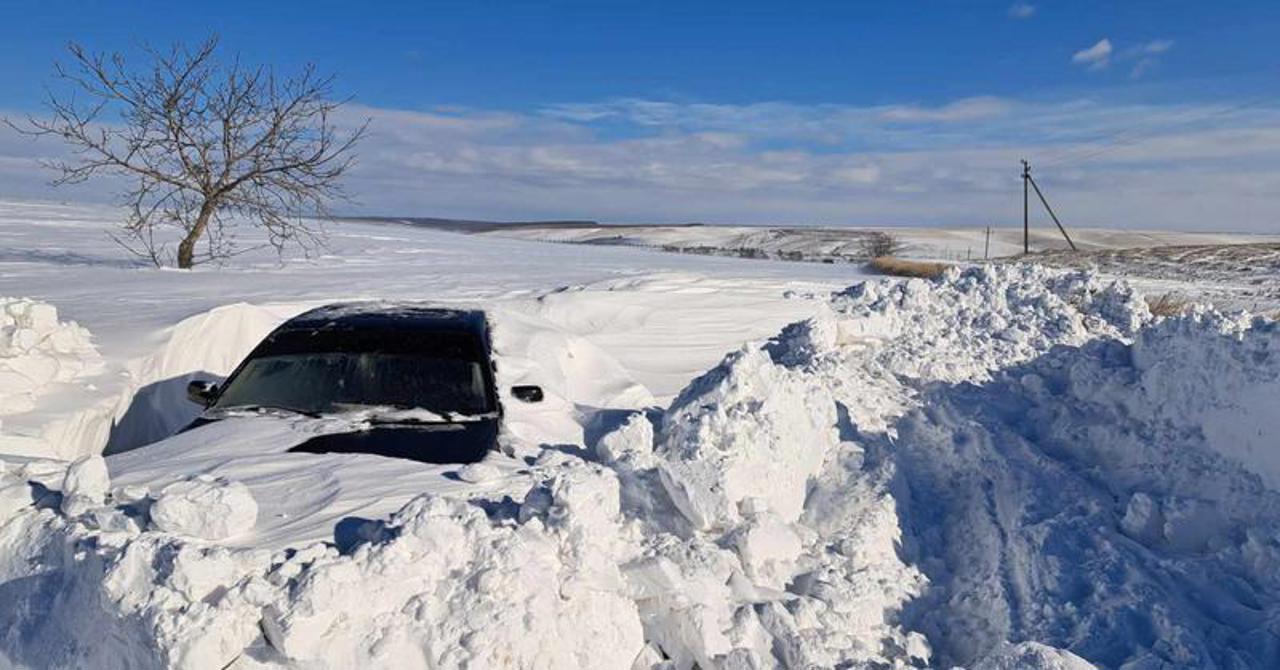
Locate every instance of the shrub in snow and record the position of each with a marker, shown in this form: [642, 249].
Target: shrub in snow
[37, 350]
[205, 507]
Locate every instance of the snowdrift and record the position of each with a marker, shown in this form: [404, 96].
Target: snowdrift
[43, 362]
[1003, 468]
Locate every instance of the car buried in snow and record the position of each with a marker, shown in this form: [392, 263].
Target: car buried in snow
[399, 380]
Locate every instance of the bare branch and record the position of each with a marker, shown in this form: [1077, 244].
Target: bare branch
[203, 144]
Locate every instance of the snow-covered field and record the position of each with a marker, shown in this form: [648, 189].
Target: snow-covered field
[739, 464]
[1241, 275]
[845, 244]
[1225, 269]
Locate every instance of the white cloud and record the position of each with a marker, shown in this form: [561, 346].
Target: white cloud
[1147, 56]
[1142, 67]
[1155, 46]
[1022, 10]
[966, 109]
[1095, 57]
[953, 164]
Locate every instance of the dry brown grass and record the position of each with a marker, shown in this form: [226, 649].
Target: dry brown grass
[899, 267]
[1167, 305]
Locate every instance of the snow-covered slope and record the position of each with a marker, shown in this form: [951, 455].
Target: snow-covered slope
[1008, 467]
[845, 243]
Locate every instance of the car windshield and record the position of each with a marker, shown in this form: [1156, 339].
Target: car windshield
[334, 381]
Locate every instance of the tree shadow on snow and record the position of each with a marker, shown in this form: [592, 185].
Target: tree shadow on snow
[63, 257]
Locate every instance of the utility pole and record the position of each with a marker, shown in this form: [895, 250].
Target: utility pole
[1026, 213]
[1027, 180]
[1053, 216]
[986, 245]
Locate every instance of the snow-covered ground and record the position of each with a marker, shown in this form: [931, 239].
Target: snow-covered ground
[1230, 276]
[845, 244]
[1228, 270]
[740, 464]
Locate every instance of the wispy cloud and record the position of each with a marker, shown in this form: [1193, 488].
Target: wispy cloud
[818, 124]
[967, 109]
[1022, 10]
[1190, 166]
[1154, 47]
[1146, 56]
[1096, 57]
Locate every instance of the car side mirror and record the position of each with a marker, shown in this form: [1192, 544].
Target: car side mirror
[527, 393]
[202, 392]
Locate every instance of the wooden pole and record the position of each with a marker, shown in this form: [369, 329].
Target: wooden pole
[986, 245]
[1049, 209]
[1026, 213]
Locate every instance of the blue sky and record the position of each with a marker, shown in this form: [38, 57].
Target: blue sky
[841, 112]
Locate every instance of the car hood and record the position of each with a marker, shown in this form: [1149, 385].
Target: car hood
[302, 497]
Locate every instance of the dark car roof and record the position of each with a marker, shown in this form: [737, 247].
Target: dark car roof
[388, 327]
[389, 315]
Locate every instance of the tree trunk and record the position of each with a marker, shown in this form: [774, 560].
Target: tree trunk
[187, 247]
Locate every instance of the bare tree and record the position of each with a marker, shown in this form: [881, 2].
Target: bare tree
[201, 144]
[880, 245]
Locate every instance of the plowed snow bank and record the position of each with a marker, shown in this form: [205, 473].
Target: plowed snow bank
[441, 584]
[36, 351]
[1003, 468]
[1117, 500]
[41, 357]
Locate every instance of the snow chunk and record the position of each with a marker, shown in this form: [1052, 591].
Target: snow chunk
[768, 549]
[37, 351]
[1032, 656]
[961, 327]
[206, 508]
[478, 473]
[749, 428]
[85, 485]
[630, 443]
[451, 588]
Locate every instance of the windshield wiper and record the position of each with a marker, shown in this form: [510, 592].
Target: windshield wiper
[268, 408]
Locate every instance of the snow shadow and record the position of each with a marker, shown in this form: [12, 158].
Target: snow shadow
[62, 257]
[155, 412]
[1042, 509]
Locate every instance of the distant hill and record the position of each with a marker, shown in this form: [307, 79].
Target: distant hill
[468, 225]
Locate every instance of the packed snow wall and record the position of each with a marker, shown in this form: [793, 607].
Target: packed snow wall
[45, 366]
[1003, 468]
